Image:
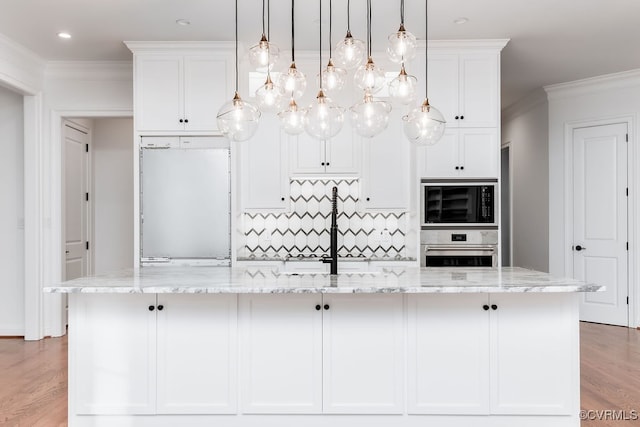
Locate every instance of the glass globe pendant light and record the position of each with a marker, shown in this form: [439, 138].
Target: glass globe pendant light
[264, 54]
[402, 89]
[402, 44]
[292, 81]
[424, 125]
[292, 119]
[323, 119]
[333, 77]
[371, 116]
[238, 119]
[269, 95]
[369, 76]
[349, 51]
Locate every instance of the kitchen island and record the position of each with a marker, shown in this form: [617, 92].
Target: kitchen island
[191, 346]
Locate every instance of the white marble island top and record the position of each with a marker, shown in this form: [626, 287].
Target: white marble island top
[264, 280]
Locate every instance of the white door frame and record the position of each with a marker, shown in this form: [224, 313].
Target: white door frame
[632, 182]
[507, 144]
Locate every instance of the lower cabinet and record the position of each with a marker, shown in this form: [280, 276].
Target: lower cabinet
[311, 354]
[125, 347]
[501, 354]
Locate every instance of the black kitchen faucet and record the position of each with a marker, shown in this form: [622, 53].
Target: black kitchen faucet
[333, 251]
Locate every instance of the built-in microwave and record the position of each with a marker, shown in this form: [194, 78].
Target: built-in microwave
[458, 203]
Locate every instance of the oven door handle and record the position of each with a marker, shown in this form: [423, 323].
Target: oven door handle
[460, 248]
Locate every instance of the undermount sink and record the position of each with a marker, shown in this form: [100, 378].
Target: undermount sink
[326, 273]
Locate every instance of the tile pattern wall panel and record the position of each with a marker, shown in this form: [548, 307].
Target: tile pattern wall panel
[305, 230]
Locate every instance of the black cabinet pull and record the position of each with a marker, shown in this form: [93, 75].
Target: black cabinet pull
[461, 117]
[160, 307]
[368, 199]
[328, 163]
[326, 306]
[151, 308]
[494, 307]
[282, 198]
[456, 117]
[457, 167]
[318, 307]
[485, 307]
[322, 163]
[186, 120]
[461, 167]
[181, 121]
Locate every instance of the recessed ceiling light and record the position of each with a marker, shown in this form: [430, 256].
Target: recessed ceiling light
[64, 35]
[183, 22]
[461, 21]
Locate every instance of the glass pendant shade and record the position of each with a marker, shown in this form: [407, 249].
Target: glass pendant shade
[264, 55]
[238, 119]
[269, 96]
[402, 89]
[292, 82]
[424, 125]
[369, 77]
[323, 119]
[350, 52]
[402, 45]
[333, 78]
[371, 116]
[292, 119]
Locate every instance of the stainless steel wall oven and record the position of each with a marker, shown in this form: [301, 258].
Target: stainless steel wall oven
[459, 248]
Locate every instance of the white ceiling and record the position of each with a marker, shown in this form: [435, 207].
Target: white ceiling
[552, 41]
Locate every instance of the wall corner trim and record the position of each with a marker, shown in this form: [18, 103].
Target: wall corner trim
[593, 84]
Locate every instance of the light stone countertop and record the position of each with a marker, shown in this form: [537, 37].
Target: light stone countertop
[215, 280]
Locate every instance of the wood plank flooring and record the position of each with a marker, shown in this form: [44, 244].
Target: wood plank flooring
[33, 378]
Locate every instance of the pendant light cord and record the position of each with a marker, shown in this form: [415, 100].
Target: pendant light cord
[402, 12]
[348, 16]
[320, 43]
[426, 49]
[236, 19]
[263, 17]
[293, 34]
[369, 27]
[268, 35]
[330, 30]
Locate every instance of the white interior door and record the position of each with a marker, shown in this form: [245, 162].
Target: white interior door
[600, 220]
[76, 212]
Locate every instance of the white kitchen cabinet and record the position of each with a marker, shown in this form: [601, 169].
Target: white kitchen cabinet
[386, 171]
[183, 345]
[339, 155]
[469, 153]
[302, 354]
[357, 325]
[179, 87]
[453, 338]
[264, 168]
[465, 87]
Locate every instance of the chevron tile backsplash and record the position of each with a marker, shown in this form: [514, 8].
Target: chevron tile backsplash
[305, 230]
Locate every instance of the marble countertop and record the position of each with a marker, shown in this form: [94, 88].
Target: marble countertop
[238, 280]
[316, 258]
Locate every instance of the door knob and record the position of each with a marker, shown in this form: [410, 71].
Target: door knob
[580, 248]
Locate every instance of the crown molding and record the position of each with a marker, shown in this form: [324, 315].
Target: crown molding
[593, 84]
[525, 104]
[89, 70]
[20, 68]
[179, 46]
[470, 44]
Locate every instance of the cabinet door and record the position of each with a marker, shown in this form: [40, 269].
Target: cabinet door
[265, 169]
[363, 354]
[534, 367]
[479, 90]
[112, 353]
[197, 354]
[448, 353]
[281, 357]
[159, 93]
[479, 152]
[205, 86]
[342, 153]
[307, 155]
[440, 160]
[386, 168]
[443, 85]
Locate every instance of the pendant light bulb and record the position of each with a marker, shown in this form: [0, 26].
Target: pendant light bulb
[292, 82]
[350, 52]
[402, 45]
[402, 89]
[424, 125]
[369, 77]
[323, 119]
[371, 116]
[263, 55]
[292, 119]
[238, 119]
[333, 78]
[269, 95]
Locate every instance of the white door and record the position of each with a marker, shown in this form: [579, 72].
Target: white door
[281, 353]
[363, 354]
[600, 220]
[196, 354]
[76, 205]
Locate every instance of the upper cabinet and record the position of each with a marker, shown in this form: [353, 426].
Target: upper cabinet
[337, 156]
[179, 87]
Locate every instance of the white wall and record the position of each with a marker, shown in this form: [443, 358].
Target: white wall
[11, 214]
[525, 126]
[112, 145]
[613, 96]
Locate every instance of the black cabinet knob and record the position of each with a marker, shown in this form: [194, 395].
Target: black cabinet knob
[160, 307]
[318, 307]
[326, 306]
[580, 248]
[322, 163]
[456, 117]
[186, 120]
[181, 121]
[485, 307]
[151, 308]
[328, 163]
[368, 199]
[461, 167]
[494, 307]
[461, 117]
[457, 167]
[282, 198]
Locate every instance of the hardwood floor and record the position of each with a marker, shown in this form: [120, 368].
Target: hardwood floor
[33, 378]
